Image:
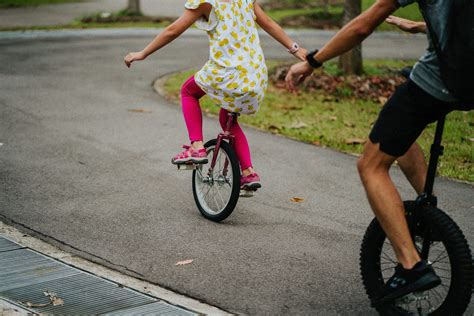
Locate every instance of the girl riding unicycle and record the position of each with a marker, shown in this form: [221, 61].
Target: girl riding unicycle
[235, 78]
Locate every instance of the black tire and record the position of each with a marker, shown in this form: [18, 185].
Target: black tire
[446, 233]
[222, 214]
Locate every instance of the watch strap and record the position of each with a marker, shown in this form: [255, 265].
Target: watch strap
[312, 61]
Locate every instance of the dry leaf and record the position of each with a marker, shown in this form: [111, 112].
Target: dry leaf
[356, 141]
[139, 110]
[333, 118]
[274, 129]
[383, 100]
[470, 139]
[349, 124]
[29, 304]
[53, 298]
[184, 262]
[317, 143]
[297, 200]
[298, 125]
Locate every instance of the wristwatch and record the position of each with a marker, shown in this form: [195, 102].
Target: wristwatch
[294, 48]
[312, 61]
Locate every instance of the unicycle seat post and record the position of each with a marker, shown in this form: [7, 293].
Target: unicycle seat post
[435, 152]
[226, 134]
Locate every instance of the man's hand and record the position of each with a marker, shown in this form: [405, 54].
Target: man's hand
[407, 25]
[301, 54]
[297, 73]
[131, 57]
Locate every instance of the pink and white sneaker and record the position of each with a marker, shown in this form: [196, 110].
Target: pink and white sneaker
[190, 155]
[250, 182]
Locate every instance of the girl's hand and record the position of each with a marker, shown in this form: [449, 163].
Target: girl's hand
[131, 57]
[406, 25]
[297, 73]
[301, 54]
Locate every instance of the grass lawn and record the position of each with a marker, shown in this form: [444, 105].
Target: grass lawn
[24, 3]
[326, 121]
[410, 12]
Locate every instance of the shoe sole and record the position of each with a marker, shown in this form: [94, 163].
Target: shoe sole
[251, 186]
[198, 161]
[425, 283]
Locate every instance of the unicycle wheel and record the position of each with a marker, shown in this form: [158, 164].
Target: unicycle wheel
[449, 255]
[216, 191]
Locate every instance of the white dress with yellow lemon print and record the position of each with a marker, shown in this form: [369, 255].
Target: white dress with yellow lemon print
[235, 77]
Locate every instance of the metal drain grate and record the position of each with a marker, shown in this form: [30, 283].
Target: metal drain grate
[26, 274]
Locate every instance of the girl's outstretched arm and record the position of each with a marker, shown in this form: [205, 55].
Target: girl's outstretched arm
[170, 33]
[275, 30]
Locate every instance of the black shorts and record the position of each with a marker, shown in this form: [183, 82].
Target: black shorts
[405, 115]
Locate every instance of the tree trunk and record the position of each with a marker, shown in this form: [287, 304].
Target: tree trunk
[351, 62]
[134, 6]
[326, 7]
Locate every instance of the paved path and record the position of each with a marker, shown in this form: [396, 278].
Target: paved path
[60, 14]
[82, 172]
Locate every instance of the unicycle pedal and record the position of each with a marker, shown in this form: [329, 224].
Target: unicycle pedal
[246, 192]
[187, 166]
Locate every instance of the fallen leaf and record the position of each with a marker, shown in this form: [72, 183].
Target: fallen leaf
[184, 262]
[383, 100]
[469, 139]
[297, 200]
[53, 298]
[356, 141]
[29, 304]
[274, 129]
[139, 110]
[349, 124]
[317, 143]
[298, 125]
[333, 118]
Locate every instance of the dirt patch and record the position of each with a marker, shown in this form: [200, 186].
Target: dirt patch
[373, 88]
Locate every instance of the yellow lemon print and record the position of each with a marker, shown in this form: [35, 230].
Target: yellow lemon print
[237, 45]
[214, 72]
[219, 79]
[246, 80]
[241, 58]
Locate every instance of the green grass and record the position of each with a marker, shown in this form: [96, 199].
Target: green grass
[410, 12]
[25, 3]
[321, 119]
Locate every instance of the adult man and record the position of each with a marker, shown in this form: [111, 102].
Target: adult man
[420, 101]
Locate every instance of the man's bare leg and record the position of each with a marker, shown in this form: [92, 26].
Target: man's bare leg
[386, 202]
[414, 167]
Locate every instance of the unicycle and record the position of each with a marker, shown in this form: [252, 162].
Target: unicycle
[437, 238]
[216, 185]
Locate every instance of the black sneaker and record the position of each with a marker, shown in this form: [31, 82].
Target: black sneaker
[419, 278]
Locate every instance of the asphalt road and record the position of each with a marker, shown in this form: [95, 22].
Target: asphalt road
[65, 13]
[79, 170]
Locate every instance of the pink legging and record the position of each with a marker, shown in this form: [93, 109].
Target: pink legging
[190, 95]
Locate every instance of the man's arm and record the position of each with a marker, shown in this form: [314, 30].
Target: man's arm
[351, 35]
